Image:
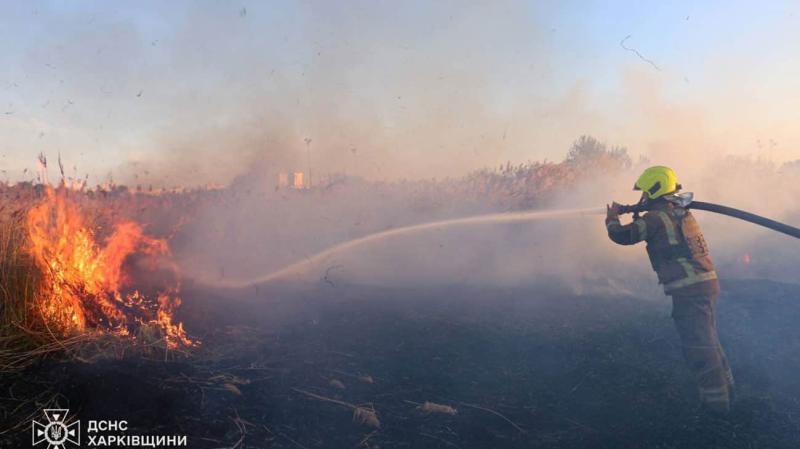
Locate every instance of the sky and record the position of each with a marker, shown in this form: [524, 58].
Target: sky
[188, 93]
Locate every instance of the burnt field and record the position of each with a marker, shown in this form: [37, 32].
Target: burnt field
[352, 366]
[372, 225]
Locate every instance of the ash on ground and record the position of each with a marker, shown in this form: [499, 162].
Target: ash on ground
[521, 367]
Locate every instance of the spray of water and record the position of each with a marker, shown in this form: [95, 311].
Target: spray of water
[309, 262]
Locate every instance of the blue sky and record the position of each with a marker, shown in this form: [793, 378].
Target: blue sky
[193, 92]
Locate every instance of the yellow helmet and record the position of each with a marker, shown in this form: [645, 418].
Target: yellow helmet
[657, 181]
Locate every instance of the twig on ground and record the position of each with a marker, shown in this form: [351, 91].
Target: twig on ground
[364, 441]
[478, 407]
[325, 399]
[241, 425]
[432, 407]
[361, 414]
[365, 378]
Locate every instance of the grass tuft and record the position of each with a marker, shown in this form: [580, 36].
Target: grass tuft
[24, 337]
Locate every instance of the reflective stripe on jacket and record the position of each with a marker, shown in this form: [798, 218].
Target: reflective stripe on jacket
[676, 247]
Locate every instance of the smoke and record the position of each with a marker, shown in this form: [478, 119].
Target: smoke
[233, 94]
[188, 94]
[390, 106]
[259, 230]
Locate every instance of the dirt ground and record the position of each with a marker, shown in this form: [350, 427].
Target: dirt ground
[524, 367]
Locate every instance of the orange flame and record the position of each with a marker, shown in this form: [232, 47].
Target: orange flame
[83, 281]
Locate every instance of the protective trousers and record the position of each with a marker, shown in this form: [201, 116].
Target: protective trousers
[697, 326]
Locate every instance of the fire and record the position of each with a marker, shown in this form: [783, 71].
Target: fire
[86, 284]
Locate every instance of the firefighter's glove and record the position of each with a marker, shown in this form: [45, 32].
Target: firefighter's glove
[612, 211]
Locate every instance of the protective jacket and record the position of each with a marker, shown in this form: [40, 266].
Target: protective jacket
[676, 247]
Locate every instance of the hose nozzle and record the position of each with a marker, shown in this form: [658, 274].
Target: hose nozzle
[632, 208]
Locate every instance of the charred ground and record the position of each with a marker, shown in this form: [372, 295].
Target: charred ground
[524, 367]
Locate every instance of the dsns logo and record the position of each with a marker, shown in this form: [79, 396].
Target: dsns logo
[55, 432]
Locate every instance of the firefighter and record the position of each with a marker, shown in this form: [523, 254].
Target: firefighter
[680, 257]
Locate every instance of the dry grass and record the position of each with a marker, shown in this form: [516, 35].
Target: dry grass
[432, 407]
[26, 336]
[362, 414]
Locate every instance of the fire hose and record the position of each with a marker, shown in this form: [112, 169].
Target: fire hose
[686, 200]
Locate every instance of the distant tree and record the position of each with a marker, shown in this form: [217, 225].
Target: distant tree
[590, 152]
[586, 148]
[791, 166]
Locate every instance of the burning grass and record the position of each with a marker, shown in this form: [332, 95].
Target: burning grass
[68, 284]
